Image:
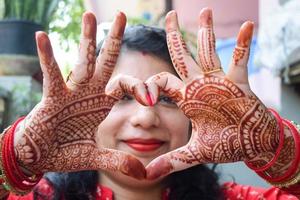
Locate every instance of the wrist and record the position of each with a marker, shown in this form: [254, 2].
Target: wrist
[13, 178]
[270, 142]
[285, 171]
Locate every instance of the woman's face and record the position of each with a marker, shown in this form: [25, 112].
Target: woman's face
[143, 131]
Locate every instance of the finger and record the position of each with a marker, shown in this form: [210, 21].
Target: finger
[84, 68]
[207, 56]
[167, 83]
[53, 82]
[179, 159]
[182, 60]
[123, 84]
[86, 157]
[113, 160]
[238, 71]
[110, 50]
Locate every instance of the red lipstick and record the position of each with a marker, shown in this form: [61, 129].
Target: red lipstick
[144, 144]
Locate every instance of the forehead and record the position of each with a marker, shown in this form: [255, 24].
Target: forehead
[140, 65]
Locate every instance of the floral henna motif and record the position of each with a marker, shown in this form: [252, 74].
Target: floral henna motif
[59, 134]
[227, 123]
[73, 121]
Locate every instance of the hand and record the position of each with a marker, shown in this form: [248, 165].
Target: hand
[59, 134]
[229, 123]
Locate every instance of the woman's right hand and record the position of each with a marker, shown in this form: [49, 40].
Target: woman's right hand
[59, 133]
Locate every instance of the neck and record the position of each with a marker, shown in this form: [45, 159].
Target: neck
[127, 188]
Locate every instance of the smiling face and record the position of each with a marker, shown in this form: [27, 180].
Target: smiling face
[143, 131]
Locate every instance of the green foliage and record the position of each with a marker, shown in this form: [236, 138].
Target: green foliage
[1, 9]
[67, 22]
[40, 11]
[23, 99]
[138, 20]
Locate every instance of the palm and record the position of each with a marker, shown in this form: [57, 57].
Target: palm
[219, 111]
[67, 127]
[60, 132]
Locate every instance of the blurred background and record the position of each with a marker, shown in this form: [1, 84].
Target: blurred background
[274, 66]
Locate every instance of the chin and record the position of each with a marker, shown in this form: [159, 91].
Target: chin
[127, 181]
[145, 161]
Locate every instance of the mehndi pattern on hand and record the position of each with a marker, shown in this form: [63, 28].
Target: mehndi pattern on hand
[59, 134]
[229, 123]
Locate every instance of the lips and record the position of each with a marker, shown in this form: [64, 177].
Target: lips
[144, 145]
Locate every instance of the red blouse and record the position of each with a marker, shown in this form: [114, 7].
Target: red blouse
[232, 191]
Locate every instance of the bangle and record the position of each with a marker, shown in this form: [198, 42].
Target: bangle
[3, 178]
[15, 180]
[288, 183]
[285, 180]
[279, 148]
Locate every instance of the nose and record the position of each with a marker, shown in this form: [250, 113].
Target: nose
[145, 117]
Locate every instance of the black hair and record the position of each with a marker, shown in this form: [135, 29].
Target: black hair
[198, 182]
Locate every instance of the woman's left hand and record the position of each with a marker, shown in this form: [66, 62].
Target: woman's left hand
[229, 123]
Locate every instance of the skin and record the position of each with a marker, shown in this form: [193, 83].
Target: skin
[59, 134]
[229, 122]
[129, 119]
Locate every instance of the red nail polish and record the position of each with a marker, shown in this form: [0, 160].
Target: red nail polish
[149, 99]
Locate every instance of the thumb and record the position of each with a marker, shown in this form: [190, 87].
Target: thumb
[179, 159]
[113, 160]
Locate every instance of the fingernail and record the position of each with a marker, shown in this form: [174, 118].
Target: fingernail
[152, 98]
[149, 99]
[206, 17]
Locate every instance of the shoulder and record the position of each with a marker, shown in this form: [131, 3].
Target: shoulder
[236, 191]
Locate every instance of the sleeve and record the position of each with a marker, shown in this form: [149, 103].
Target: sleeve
[44, 188]
[233, 191]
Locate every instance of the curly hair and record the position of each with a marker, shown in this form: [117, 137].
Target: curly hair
[198, 182]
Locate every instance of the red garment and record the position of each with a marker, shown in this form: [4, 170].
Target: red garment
[232, 191]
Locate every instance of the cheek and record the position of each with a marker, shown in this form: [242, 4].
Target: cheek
[108, 129]
[178, 125]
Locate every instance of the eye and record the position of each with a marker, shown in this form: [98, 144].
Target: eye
[126, 97]
[166, 100]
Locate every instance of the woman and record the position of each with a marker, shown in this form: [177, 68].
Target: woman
[139, 118]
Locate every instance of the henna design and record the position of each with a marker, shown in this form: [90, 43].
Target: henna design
[178, 50]
[238, 54]
[208, 59]
[109, 54]
[229, 123]
[91, 49]
[225, 120]
[60, 132]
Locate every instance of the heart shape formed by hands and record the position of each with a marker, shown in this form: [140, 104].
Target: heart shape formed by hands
[229, 122]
